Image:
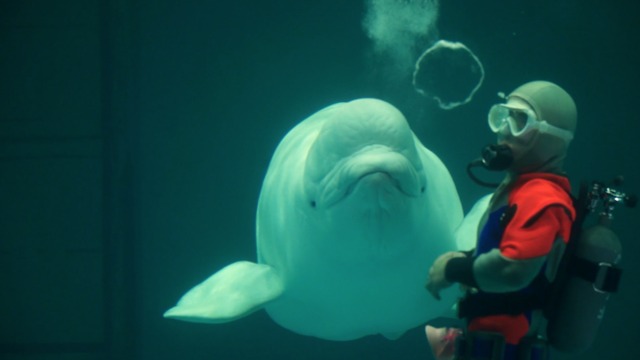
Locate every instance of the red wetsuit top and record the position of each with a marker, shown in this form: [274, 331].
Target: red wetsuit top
[543, 213]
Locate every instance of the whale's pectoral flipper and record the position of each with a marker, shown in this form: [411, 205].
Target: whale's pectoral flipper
[233, 292]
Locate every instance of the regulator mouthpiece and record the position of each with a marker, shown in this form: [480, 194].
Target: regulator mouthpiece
[494, 158]
[497, 157]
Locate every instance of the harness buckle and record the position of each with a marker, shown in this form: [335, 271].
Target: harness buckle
[600, 281]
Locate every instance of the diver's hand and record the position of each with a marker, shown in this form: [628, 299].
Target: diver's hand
[437, 282]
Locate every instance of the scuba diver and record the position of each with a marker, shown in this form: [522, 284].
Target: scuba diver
[523, 233]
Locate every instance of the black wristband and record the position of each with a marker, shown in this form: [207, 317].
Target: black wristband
[460, 269]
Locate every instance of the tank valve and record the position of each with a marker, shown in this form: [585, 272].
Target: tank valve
[609, 197]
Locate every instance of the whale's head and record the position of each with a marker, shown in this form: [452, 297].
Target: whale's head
[365, 156]
[364, 177]
[353, 182]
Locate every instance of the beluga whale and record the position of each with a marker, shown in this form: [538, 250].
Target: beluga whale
[352, 212]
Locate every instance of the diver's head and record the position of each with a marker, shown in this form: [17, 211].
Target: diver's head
[537, 122]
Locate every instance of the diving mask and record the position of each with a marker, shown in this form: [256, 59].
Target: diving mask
[520, 121]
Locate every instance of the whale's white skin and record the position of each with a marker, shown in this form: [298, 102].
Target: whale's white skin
[352, 212]
[468, 231]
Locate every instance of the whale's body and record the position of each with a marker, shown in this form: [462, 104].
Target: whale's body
[353, 211]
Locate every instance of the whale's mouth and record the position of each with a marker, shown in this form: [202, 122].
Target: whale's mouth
[387, 169]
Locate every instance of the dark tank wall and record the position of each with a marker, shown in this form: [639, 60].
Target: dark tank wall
[65, 216]
[134, 136]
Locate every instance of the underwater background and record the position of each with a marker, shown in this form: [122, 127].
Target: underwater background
[134, 136]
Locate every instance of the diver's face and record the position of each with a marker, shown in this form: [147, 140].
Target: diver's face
[521, 144]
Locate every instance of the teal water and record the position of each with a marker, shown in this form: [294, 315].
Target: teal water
[223, 83]
[210, 88]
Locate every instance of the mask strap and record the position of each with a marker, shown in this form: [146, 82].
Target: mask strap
[545, 127]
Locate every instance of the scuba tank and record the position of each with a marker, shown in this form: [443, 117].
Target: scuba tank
[588, 272]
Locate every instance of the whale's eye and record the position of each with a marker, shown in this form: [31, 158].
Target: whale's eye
[313, 203]
[422, 189]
